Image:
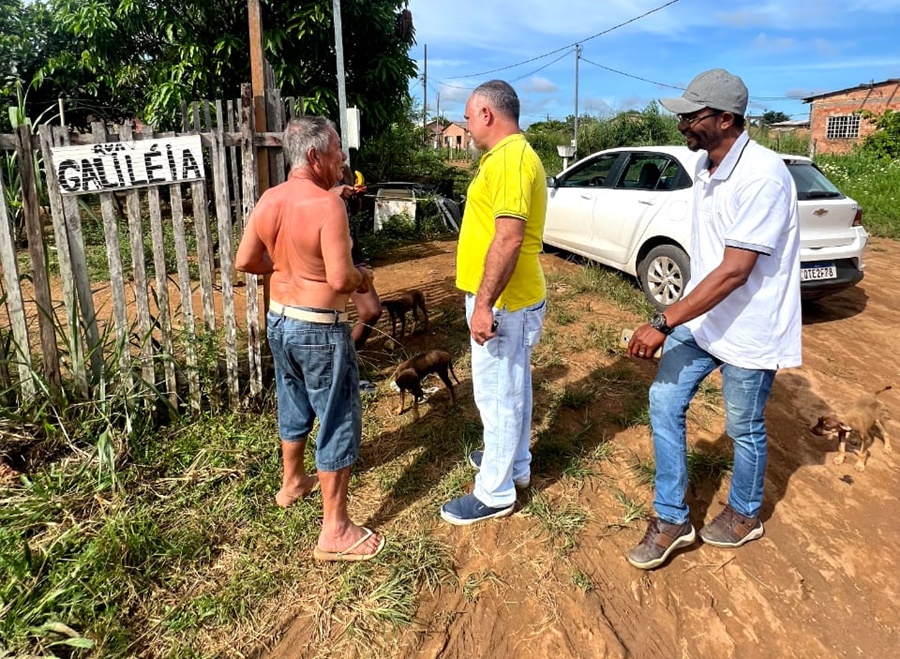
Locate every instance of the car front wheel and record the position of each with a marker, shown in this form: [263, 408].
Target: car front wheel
[664, 273]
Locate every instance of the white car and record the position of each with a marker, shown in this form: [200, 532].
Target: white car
[630, 208]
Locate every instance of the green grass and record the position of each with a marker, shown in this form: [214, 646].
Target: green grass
[561, 524]
[874, 183]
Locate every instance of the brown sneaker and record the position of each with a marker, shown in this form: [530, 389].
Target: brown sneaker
[660, 540]
[731, 529]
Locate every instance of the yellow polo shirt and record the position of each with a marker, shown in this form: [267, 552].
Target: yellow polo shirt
[510, 183]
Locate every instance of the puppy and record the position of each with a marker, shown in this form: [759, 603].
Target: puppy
[397, 308]
[409, 374]
[861, 419]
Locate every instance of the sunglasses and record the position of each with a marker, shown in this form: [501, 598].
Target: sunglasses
[687, 122]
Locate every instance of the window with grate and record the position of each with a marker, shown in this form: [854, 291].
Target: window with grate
[842, 126]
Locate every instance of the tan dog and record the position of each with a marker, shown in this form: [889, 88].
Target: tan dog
[399, 306]
[409, 374]
[861, 419]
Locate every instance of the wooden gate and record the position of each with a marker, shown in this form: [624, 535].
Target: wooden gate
[161, 307]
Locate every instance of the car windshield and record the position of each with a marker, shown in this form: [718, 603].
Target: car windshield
[811, 183]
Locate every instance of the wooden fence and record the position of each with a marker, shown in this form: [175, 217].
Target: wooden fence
[175, 328]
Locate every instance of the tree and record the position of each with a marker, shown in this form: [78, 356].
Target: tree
[885, 141]
[772, 117]
[150, 56]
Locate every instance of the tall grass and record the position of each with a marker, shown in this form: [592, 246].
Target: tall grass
[873, 182]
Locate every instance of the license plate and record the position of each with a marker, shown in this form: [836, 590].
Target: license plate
[818, 272]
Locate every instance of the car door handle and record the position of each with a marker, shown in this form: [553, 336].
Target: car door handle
[586, 196]
[648, 202]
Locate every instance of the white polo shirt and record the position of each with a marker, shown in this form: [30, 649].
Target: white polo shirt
[750, 202]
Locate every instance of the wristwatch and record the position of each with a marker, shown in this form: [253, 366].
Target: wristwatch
[658, 322]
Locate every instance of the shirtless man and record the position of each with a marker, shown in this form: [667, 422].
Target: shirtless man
[299, 234]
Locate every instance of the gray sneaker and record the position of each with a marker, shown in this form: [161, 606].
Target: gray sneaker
[660, 540]
[475, 458]
[731, 529]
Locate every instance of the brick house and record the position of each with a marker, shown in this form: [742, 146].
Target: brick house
[835, 123]
[449, 134]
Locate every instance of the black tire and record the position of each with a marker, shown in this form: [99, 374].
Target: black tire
[664, 272]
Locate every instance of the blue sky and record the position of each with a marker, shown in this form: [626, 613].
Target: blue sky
[783, 50]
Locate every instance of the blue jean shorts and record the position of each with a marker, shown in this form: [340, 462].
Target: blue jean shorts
[316, 375]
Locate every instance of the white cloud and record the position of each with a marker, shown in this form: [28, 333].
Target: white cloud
[772, 45]
[540, 85]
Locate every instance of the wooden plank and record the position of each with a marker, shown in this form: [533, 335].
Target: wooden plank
[116, 277]
[205, 252]
[187, 302]
[15, 306]
[226, 259]
[67, 279]
[40, 278]
[204, 258]
[75, 237]
[250, 193]
[139, 272]
[233, 162]
[260, 139]
[163, 313]
[275, 122]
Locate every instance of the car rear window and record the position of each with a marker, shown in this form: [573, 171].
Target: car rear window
[811, 183]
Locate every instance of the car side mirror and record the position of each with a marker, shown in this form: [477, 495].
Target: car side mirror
[552, 182]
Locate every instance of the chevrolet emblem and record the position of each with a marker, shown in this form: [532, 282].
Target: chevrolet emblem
[819, 212]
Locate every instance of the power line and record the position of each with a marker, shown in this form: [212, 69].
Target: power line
[571, 45]
[663, 84]
[628, 75]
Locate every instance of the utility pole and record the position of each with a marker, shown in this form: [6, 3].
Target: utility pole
[577, 57]
[425, 97]
[258, 85]
[341, 79]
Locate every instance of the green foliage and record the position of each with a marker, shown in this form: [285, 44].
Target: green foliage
[872, 181]
[885, 141]
[774, 117]
[632, 128]
[145, 59]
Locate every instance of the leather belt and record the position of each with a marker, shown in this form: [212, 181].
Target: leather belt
[328, 317]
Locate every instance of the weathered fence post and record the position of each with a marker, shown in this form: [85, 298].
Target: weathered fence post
[116, 277]
[139, 271]
[226, 255]
[250, 193]
[14, 303]
[41, 281]
[163, 310]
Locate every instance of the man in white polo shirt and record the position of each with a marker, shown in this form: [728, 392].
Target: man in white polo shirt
[740, 314]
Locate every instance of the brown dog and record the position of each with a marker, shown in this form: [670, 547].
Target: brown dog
[409, 374]
[861, 419]
[397, 308]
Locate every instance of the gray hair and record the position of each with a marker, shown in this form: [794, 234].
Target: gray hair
[501, 97]
[305, 133]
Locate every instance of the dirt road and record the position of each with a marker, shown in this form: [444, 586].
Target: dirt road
[823, 582]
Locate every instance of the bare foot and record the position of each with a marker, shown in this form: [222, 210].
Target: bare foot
[290, 494]
[343, 541]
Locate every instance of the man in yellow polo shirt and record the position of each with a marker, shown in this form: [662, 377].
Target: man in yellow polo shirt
[498, 268]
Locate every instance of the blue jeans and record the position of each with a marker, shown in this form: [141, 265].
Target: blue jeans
[316, 375]
[684, 365]
[501, 383]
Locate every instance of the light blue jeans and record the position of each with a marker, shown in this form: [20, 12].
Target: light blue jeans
[501, 382]
[684, 365]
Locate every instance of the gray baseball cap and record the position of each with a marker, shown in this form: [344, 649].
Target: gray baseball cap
[716, 89]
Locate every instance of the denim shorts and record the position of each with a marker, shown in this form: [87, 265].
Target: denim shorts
[316, 375]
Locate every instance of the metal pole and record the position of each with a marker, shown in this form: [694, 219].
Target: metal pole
[577, 57]
[342, 90]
